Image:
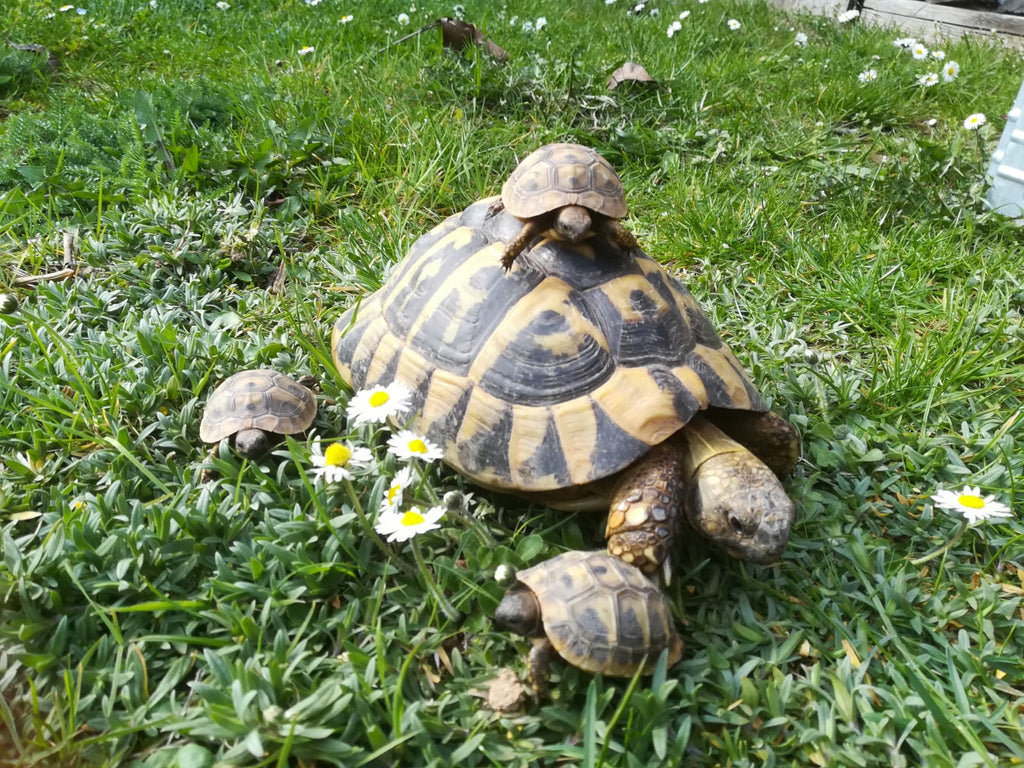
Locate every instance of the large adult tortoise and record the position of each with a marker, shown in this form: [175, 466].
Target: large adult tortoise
[588, 377]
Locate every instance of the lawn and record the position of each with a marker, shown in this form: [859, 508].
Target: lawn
[225, 179]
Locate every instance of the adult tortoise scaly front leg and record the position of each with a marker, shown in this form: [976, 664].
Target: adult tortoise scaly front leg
[703, 476]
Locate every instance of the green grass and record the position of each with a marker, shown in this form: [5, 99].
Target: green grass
[835, 234]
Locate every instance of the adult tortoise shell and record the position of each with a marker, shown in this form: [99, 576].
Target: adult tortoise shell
[559, 377]
[567, 190]
[592, 609]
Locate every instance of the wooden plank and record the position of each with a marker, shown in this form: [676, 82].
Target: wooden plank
[934, 22]
[818, 7]
[928, 21]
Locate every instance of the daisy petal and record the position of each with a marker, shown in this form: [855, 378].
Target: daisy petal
[400, 526]
[971, 504]
[378, 404]
[406, 445]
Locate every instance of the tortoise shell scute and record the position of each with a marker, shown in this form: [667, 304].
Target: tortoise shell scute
[562, 372]
[262, 399]
[557, 175]
[601, 614]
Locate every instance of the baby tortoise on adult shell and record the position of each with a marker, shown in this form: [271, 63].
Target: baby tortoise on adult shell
[592, 609]
[568, 191]
[586, 378]
[254, 408]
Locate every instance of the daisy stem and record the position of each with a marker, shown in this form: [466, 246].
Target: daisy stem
[943, 549]
[422, 470]
[443, 603]
[368, 527]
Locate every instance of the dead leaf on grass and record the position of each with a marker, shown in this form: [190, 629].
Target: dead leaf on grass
[630, 73]
[52, 62]
[458, 35]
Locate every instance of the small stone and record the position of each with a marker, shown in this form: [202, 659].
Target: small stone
[505, 693]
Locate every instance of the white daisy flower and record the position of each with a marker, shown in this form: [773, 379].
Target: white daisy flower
[733, 24]
[929, 79]
[847, 16]
[223, 6]
[406, 445]
[396, 491]
[540, 23]
[950, 70]
[800, 39]
[919, 51]
[975, 121]
[403, 19]
[971, 504]
[378, 404]
[306, 50]
[402, 526]
[674, 27]
[868, 75]
[684, 15]
[347, 19]
[905, 42]
[334, 463]
[938, 55]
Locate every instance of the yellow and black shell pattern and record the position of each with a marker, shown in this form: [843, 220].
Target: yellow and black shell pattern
[561, 372]
[601, 614]
[564, 174]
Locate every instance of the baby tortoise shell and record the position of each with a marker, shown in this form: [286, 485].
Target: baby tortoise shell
[593, 610]
[558, 378]
[568, 190]
[253, 407]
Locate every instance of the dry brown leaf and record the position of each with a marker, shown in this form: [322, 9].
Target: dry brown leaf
[52, 62]
[459, 35]
[630, 73]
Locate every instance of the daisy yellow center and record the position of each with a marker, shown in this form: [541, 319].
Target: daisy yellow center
[337, 455]
[377, 399]
[393, 492]
[970, 500]
[417, 446]
[412, 518]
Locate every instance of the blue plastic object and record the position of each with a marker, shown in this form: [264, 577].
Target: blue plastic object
[1006, 171]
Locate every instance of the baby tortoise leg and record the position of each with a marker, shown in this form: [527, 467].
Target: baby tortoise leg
[645, 511]
[732, 497]
[539, 665]
[518, 244]
[617, 232]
